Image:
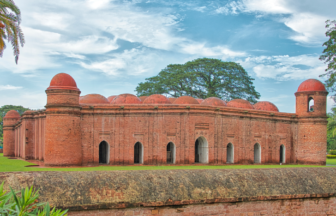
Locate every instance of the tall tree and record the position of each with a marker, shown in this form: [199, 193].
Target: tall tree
[10, 19]
[331, 130]
[202, 78]
[329, 56]
[3, 110]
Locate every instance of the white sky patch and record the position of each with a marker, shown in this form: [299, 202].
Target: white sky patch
[9, 87]
[285, 67]
[96, 4]
[30, 99]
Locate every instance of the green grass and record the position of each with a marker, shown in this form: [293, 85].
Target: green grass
[331, 161]
[15, 165]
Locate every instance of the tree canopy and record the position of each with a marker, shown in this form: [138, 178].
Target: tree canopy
[202, 78]
[329, 56]
[3, 110]
[10, 19]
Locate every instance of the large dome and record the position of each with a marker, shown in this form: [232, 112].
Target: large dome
[213, 101]
[157, 99]
[311, 85]
[94, 99]
[63, 81]
[186, 100]
[240, 103]
[265, 106]
[110, 99]
[12, 114]
[126, 99]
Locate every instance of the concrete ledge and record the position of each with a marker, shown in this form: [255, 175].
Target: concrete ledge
[125, 189]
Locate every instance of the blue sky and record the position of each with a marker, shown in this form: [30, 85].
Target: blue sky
[110, 46]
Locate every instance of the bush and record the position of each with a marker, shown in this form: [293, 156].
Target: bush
[331, 156]
[25, 204]
[332, 152]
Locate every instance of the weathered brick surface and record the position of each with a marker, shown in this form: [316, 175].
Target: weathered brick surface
[131, 189]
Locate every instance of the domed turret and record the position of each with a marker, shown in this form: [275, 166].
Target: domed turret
[157, 99]
[311, 85]
[213, 101]
[94, 99]
[265, 106]
[240, 103]
[110, 99]
[63, 81]
[126, 99]
[12, 114]
[186, 100]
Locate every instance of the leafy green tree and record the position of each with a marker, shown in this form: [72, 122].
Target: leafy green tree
[331, 127]
[202, 78]
[3, 110]
[10, 19]
[329, 56]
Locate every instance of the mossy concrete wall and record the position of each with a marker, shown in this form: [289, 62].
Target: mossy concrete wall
[128, 189]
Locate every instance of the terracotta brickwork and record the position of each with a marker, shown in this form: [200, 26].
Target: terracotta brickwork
[70, 130]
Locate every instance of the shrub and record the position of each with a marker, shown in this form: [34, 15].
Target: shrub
[331, 156]
[332, 152]
[25, 204]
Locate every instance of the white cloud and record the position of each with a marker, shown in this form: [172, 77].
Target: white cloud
[285, 67]
[9, 87]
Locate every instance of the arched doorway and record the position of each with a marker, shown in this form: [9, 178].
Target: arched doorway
[229, 153]
[201, 150]
[257, 153]
[104, 153]
[282, 154]
[138, 153]
[310, 104]
[171, 153]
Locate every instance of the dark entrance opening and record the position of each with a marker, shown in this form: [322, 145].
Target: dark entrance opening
[170, 152]
[197, 151]
[103, 152]
[282, 154]
[138, 153]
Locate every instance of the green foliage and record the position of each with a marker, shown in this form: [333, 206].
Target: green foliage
[3, 110]
[202, 78]
[332, 152]
[331, 127]
[10, 30]
[331, 156]
[329, 56]
[25, 204]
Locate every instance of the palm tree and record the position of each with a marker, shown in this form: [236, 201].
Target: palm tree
[10, 18]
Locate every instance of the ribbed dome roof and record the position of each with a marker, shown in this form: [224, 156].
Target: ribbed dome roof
[240, 103]
[157, 99]
[199, 100]
[28, 112]
[172, 99]
[94, 99]
[186, 100]
[213, 101]
[265, 106]
[143, 98]
[12, 114]
[311, 85]
[63, 81]
[126, 99]
[110, 99]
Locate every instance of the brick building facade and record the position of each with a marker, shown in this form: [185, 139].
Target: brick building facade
[127, 130]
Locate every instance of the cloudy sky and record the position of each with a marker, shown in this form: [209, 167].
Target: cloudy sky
[109, 46]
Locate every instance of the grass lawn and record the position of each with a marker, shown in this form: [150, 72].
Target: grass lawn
[14, 165]
[331, 161]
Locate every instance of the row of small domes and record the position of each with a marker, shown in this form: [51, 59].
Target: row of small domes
[161, 99]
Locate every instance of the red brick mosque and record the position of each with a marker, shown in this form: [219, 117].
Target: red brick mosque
[127, 130]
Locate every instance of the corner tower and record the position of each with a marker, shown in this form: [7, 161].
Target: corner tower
[9, 121]
[62, 135]
[311, 104]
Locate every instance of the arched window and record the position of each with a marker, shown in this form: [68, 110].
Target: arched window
[201, 150]
[138, 153]
[104, 153]
[171, 153]
[229, 153]
[257, 153]
[282, 154]
[311, 104]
